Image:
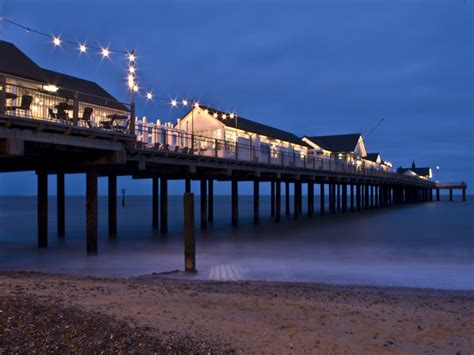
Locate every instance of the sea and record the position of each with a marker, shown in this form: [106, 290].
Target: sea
[424, 245]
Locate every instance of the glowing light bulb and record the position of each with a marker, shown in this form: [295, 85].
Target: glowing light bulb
[224, 116]
[82, 48]
[131, 69]
[185, 102]
[196, 105]
[149, 95]
[57, 41]
[232, 115]
[131, 57]
[206, 110]
[215, 115]
[174, 103]
[105, 52]
[135, 88]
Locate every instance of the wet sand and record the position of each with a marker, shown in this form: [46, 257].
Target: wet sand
[255, 317]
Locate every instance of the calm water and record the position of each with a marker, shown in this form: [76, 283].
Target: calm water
[424, 245]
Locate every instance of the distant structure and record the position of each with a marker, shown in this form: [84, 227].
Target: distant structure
[422, 173]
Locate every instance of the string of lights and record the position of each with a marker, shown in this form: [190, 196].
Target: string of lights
[106, 52]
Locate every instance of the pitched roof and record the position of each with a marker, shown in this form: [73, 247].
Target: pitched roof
[14, 62]
[417, 171]
[255, 127]
[337, 143]
[372, 156]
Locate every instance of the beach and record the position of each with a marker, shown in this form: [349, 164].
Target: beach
[172, 314]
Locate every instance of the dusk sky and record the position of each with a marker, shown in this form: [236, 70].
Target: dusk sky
[309, 67]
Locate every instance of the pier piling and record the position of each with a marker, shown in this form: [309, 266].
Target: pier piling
[366, 197]
[203, 200]
[358, 200]
[321, 199]
[352, 196]
[344, 198]
[437, 195]
[272, 198]
[164, 205]
[189, 237]
[310, 198]
[61, 215]
[278, 200]
[91, 210]
[235, 202]
[287, 198]
[42, 209]
[450, 194]
[154, 209]
[256, 201]
[112, 205]
[210, 202]
[464, 194]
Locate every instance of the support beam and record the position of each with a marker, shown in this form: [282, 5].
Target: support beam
[61, 215]
[154, 202]
[164, 205]
[256, 201]
[321, 200]
[352, 196]
[437, 195]
[464, 194]
[189, 237]
[235, 202]
[187, 184]
[333, 198]
[358, 199]
[450, 194]
[272, 198]
[366, 197]
[338, 196]
[210, 202]
[112, 207]
[287, 197]
[278, 200]
[91, 210]
[203, 200]
[42, 209]
[310, 198]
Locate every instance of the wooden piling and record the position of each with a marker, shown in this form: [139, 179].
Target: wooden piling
[332, 200]
[338, 196]
[203, 200]
[321, 200]
[210, 201]
[464, 194]
[42, 209]
[278, 200]
[358, 199]
[272, 198]
[287, 197]
[112, 206]
[61, 215]
[91, 210]
[164, 205]
[310, 198]
[450, 194]
[187, 184]
[154, 198]
[437, 195]
[256, 201]
[235, 202]
[352, 196]
[189, 237]
[371, 196]
[366, 197]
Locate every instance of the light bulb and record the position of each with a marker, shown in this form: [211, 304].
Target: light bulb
[82, 48]
[149, 95]
[174, 103]
[57, 41]
[185, 102]
[105, 52]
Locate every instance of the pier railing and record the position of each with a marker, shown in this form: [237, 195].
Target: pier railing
[166, 138]
[48, 103]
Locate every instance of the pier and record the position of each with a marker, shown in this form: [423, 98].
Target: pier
[60, 130]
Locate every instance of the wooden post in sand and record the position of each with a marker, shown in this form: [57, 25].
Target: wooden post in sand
[61, 205]
[189, 239]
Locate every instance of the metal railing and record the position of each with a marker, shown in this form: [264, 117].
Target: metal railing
[64, 106]
[166, 138]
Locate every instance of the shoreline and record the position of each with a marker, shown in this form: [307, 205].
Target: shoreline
[261, 317]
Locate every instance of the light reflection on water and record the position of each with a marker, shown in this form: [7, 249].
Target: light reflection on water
[424, 245]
